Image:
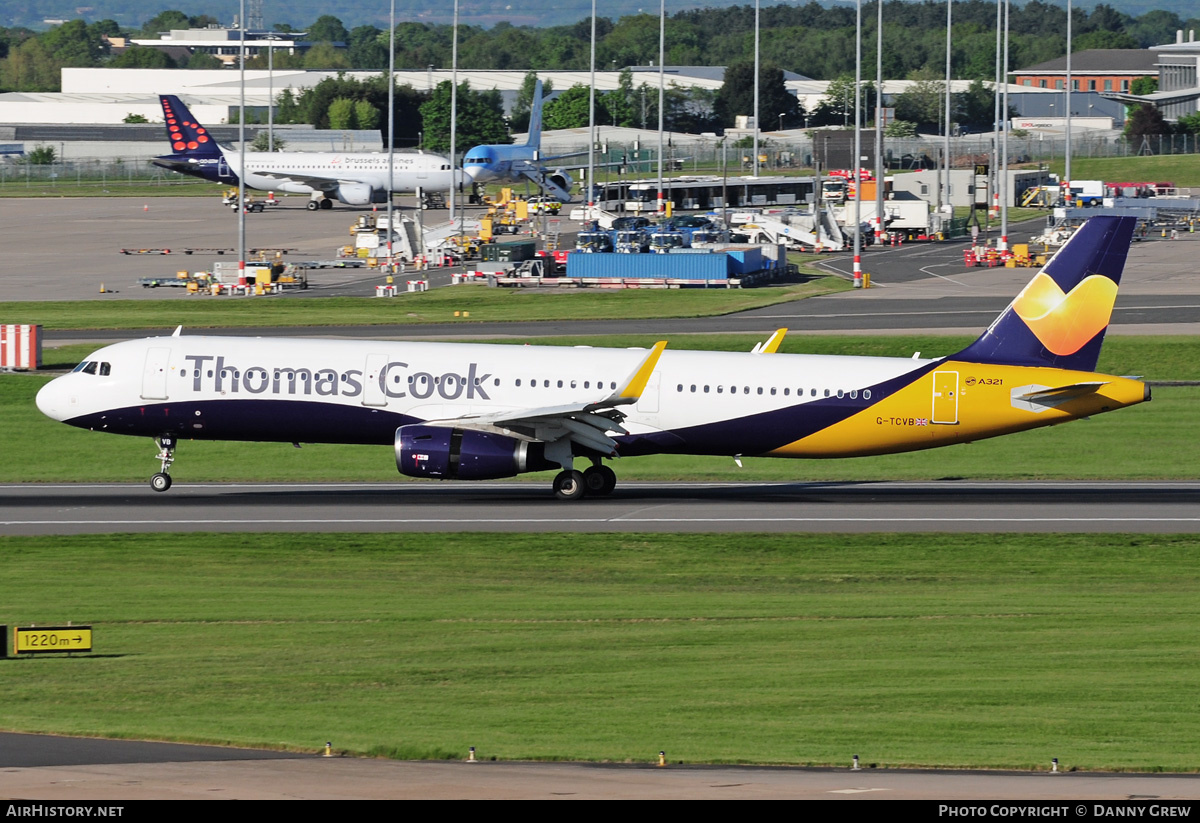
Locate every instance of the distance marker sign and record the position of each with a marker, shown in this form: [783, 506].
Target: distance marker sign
[30, 639]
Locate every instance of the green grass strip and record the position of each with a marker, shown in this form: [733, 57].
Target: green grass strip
[1180, 169]
[909, 650]
[436, 306]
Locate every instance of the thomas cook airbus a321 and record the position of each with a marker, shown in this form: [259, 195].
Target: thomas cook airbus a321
[478, 412]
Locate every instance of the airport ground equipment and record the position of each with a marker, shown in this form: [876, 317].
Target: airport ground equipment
[801, 230]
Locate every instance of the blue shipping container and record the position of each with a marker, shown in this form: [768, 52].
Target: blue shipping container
[745, 260]
[650, 266]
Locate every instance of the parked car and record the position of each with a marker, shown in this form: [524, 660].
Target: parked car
[544, 203]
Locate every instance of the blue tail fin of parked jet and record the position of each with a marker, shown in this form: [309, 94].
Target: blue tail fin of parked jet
[193, 150]
[184, 133]
[1059, 319]
[535, 118]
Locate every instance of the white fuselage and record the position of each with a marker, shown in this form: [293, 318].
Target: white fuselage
[290, 171]
[360, 392]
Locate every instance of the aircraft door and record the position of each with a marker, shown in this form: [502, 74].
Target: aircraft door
[945, 397]
[154, 374]
[223, 172]
[373, 393]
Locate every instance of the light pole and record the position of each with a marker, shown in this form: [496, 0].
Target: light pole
[1004, 185]
[1067, 157]
[949, 112]
[391, 129]
[857, 228]
[241, 207]
[271, 38]
[454, 114]
[781, 116]
[858, 278]
[756, 52]
[591, 171]
[879, 123]
[662, 53]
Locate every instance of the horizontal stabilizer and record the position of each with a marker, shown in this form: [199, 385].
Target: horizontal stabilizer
[1040, 398]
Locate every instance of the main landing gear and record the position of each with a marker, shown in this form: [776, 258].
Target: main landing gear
[166, 454]
[597, 480]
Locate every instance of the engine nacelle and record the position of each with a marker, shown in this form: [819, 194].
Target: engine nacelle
[465, 454]
[360, 194]
[558, 183]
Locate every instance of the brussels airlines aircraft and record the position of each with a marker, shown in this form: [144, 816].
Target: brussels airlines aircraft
[518, 163]
[478, 411]
[355, 179]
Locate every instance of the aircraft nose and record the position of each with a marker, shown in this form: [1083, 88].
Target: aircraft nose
[52, 400]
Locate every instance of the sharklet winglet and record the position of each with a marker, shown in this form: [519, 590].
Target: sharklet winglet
[773, 342]
[631, 392]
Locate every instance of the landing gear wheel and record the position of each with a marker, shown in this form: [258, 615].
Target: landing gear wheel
[313, 205]
[327, 204]
[166, 456]
[569, 485]
[599, 480]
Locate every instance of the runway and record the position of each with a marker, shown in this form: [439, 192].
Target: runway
[337, 778]
[940, 506]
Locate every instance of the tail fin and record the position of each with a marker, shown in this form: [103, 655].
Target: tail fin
[187, 137]
[535, 118]
[1059, 319]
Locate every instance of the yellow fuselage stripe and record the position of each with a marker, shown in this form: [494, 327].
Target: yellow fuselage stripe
[958, 402]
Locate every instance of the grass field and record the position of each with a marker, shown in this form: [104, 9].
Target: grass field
[436, 306]
[1156, 440]
[1180, 169]
[175, 186]
[975, 651]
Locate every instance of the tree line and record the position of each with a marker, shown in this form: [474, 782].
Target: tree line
[810, 40]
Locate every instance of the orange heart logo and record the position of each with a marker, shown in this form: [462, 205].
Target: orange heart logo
[1065, 322]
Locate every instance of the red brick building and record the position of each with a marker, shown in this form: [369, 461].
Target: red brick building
[1099, 70]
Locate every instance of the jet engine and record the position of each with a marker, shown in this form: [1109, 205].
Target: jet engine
[558, 184]
[360, 194]
[465, 454]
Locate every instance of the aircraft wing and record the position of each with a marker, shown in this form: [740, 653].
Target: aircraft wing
[585, 423]
[313, 181]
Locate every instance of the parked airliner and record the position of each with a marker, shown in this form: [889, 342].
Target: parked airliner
[356, 179]
[478, 411]
[498, 162]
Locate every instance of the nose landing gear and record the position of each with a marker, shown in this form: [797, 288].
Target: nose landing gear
[166, 454]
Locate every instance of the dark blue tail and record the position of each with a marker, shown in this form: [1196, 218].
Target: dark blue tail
[193, 149]
[1059, 319]
[185, 134]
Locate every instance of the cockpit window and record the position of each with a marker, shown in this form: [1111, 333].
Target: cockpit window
[94, 367]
